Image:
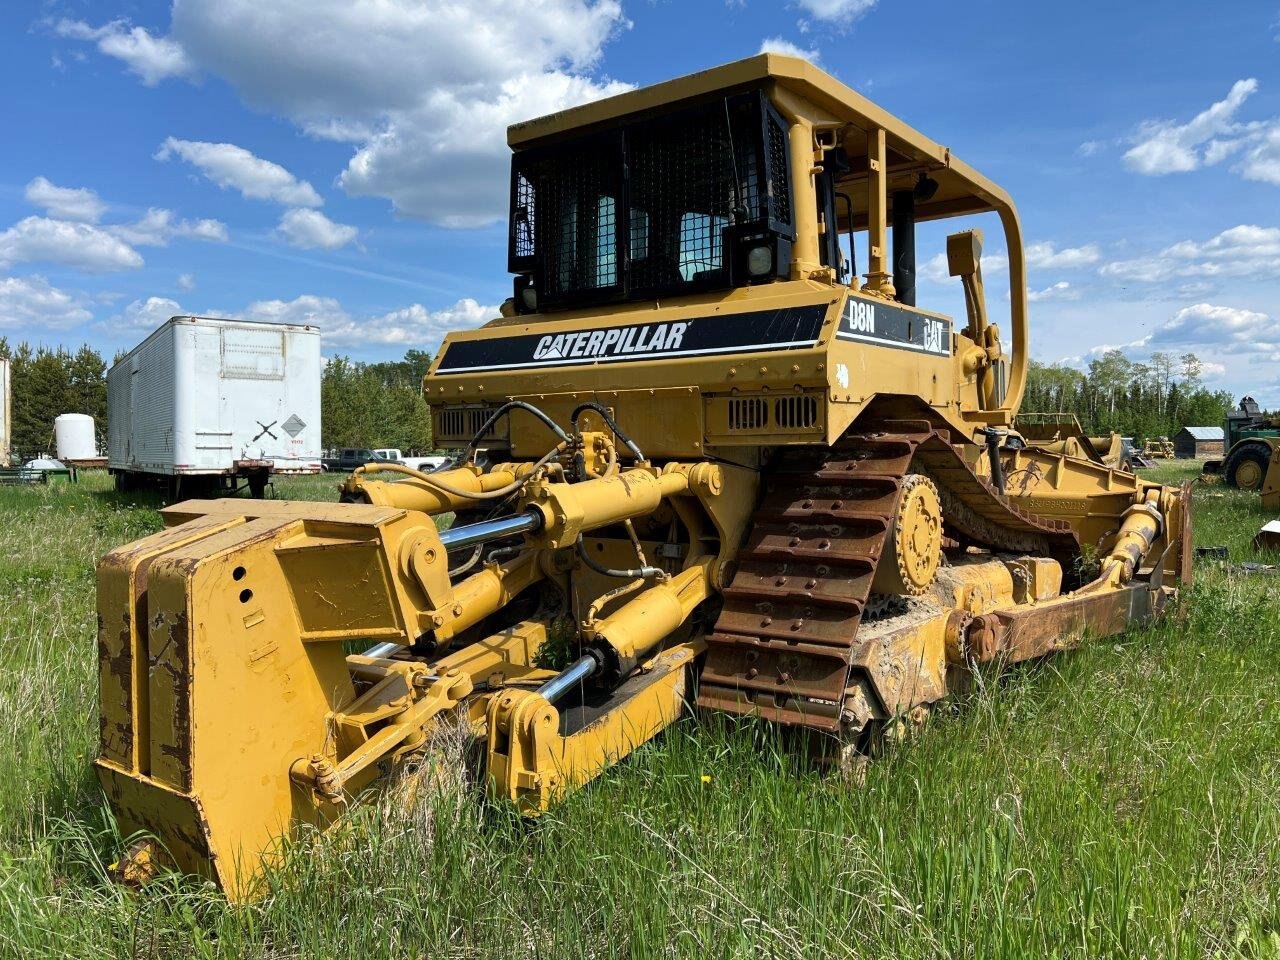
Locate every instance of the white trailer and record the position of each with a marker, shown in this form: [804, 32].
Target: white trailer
[205, 403]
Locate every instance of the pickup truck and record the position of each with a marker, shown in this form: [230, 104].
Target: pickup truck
[414, 463]
[348, 459]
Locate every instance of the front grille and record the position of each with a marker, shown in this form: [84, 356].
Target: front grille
[748, 414]
[796, 412]
[462, 423]
[451, 423]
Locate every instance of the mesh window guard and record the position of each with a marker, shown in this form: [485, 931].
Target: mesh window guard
[679, 182]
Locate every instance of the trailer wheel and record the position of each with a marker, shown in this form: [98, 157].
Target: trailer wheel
[1246, 465]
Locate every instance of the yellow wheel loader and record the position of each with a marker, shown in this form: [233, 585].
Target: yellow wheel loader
[731, 466]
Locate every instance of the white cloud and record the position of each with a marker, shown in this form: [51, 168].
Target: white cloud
[1061, 290]
[836, 10]
[1165, 146]
[1045, 256]
[33, 302]
[1245, 250]
[1261, 155]
[233, 167]
[417, 324]
[935, 269]
[322, 312]
[79, 245]
[447, 161]
[779, 45]
[414, 325]
[186, 282]
[325, 59]
[152, 58]
[1209, 138]
[311, 229]
[1089, 148]
[423, 89]
[157, 227]
[1225, 329]
[143, 316]
[1206, 329]
[65, 203]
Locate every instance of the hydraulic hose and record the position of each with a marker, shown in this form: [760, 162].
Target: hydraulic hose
[505, 409]
[453, 491]
[609, 422]
[640, 573]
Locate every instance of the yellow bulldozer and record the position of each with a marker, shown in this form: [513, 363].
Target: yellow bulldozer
[731, 466]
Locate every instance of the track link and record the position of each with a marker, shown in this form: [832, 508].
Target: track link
[786, 639]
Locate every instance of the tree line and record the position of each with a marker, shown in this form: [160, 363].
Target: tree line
[381, 404]
[1152, 399]
[362, 404]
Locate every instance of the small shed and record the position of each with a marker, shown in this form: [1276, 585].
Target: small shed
[1198, 443]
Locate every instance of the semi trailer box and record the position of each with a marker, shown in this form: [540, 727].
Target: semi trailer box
[207, 404]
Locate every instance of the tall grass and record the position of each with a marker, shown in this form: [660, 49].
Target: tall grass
[1119, 801]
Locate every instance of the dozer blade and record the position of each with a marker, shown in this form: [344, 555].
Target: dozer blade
[221, 651]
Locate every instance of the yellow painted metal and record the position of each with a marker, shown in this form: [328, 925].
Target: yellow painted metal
[654, 614]
[533, 757]
[913, 549]
[232, 711]
[1271, 480]
[429, 495]
[820, 111]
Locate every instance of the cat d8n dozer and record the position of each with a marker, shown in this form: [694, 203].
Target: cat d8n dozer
[725, 469]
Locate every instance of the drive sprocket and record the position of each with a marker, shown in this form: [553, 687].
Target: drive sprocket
[913, 549]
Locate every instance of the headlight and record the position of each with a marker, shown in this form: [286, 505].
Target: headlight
[529, 296]
[760, 261]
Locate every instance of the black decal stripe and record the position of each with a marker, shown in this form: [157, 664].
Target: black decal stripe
[893, 326]
[632, 358]
[791, 328]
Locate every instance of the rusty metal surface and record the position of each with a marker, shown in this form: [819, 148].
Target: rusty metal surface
[1034, 632]
[787, 638]
[791, 613]
[1186, 541]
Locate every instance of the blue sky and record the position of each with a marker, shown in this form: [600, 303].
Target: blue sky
[342, 162]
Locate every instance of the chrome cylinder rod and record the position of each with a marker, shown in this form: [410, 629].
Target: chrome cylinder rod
[562, 683]
[468, 535]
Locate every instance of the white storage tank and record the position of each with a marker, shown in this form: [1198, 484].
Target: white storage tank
[74, 437]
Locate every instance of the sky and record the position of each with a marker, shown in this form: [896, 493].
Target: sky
[343, 162]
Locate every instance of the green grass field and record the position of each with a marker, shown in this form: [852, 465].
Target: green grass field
[1119, 801]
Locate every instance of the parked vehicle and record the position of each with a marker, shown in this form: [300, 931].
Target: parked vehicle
[415, 463]
[348, 458]
[1250, 438]
[205, 405]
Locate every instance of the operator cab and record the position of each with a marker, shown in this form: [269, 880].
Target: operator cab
[750, 174]
[662, 204]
